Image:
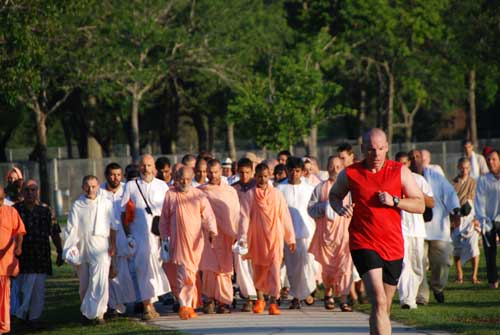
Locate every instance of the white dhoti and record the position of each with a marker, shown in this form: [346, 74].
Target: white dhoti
[244, 278]
[413, 271]
[94, 287]
[465, 247]
[121, 288]
[300, 270]
[31, 295]
[151, 278]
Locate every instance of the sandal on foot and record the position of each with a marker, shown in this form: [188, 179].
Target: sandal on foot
[329, 303]
[345, 307]
[476, 281]
[459, 281]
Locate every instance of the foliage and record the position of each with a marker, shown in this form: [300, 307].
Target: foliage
[278, 107]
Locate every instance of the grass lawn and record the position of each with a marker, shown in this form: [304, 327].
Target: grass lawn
[468, 309]
[62, 312]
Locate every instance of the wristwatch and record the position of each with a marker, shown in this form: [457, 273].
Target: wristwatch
[396, 201]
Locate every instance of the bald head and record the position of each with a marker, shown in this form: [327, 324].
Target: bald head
[375, 148]
[335, 165]
[30, 191]
[426, 157]
[183, 178]
[147, 167]
[374, 133]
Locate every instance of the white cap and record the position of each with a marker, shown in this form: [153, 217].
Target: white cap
[227, 162]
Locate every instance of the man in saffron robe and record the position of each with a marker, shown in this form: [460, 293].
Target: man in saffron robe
[11, 240]
[330, 242]
[217, 262]
[186, 217]
[266, 226]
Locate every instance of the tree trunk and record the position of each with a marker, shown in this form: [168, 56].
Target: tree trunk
[67, 137]
[390, 106]
[361, 115]
[201, 130]
[3, 143]
[211, 133]
[231, 145]
[381, 100]
[41, 152]
[312, 143]
[472, 107]
[134, 128]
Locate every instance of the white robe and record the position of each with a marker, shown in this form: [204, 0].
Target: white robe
[88, 229]
[121, 288]
[445, 201]
[487, 201]
[413, 226]
[478, 165]
[301, 267]
[151, 278]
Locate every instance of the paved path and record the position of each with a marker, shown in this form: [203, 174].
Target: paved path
[309, 320]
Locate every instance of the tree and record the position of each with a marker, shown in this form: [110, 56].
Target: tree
[131, 44]
[277, 107]
[38, 37]
[387, 34]
[475, 27]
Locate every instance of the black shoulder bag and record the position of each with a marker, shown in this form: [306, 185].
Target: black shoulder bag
[155, 225]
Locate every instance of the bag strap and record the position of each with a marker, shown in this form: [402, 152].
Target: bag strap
[143, 197]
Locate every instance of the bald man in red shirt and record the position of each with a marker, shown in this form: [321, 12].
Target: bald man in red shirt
[380, 189]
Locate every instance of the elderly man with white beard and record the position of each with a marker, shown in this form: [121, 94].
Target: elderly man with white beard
[147, 193]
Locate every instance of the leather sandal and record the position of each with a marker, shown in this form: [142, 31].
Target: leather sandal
[329, 302]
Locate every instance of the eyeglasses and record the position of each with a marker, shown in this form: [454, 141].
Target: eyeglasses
[30, 189]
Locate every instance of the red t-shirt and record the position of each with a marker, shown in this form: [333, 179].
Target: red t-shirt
[375, 226]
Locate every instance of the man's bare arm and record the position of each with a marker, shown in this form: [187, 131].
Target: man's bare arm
[337, 194]
[429, 201]
[414, 198]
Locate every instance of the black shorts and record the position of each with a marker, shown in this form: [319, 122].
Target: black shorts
[366, 260]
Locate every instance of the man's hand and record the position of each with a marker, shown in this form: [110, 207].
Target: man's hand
[59, 260]
[19, 250]
[112, 250]
[385, 199]
[346, 211]
[292, 247]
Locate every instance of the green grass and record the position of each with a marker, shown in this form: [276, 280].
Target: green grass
[468, 309]
[61, 314]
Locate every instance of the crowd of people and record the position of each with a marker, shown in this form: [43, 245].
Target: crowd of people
[203, 229]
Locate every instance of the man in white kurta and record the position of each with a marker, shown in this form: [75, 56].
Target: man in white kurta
[477, 162]
[121, 287]
[413, 227]
[438, 247]
[151, 278]
[487, 206]
[300, 265]
[91, 230]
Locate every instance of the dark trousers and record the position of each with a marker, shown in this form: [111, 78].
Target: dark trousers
[490, 253]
